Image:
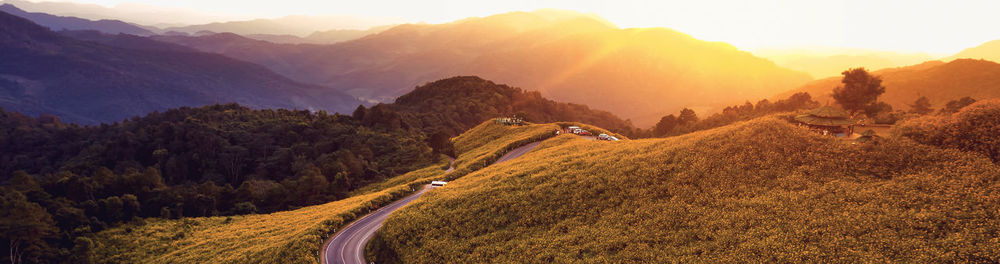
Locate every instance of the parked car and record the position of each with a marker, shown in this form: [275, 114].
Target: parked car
[438, 183]
[603, 136]
[585, 133]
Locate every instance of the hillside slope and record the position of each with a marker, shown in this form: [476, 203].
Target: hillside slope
[639, 74]
[88, 82]
[757, 191]
[457, 104]
[941, 82]
[987, 51]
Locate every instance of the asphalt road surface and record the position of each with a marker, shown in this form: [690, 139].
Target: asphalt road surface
[348, 245]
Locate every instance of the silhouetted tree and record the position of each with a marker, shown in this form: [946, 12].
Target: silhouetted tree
[441, 143]
[860, 90]
[921, 106]
[666, 124]
[688, 116]
[954, 105]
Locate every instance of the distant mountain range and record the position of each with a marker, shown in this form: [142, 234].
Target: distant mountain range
[58, 23]
[987, 51]
[320, 37]
[636, 73]
[90, 82]
[939, 81]
[290, 25]
[827, 62]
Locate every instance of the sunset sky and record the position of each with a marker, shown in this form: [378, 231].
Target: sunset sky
[936, 27]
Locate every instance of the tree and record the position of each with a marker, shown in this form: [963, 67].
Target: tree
[860, 90]
[874, 110]
[24, 225]
[666, 124]
[441, 143]
[359, 113]
[954, 105]
[921, 106]
[688, 116]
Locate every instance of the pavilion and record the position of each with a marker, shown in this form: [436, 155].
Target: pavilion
[828, 120]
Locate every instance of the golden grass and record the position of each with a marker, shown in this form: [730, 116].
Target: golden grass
[283, 237]
[756, 191]
[487, 142]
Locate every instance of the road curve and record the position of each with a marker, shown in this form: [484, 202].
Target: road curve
[348, 245]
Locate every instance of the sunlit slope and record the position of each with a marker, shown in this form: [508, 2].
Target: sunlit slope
[757, 191]
[987, 51]
[295, 236]
[940, 82]
[282, 237]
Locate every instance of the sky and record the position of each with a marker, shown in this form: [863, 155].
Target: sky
[933, 27]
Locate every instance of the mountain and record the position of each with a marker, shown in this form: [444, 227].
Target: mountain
[125, 41]
[987, 51]
[159, 16]
[456, 104]
[826, 62]
[319, 37]
[940, 82]
[289, 25]
[639, 74]
[756, 191]
[87, 82]
[58, 23]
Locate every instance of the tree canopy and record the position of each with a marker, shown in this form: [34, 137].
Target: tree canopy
[859, 90]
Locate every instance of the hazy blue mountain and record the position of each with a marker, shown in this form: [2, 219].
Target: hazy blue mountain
[58, 23]
[90, 82]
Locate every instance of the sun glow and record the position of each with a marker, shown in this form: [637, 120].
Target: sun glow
[934, 27]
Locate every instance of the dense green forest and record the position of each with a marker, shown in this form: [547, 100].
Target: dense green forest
[214, 160]
[457, 104]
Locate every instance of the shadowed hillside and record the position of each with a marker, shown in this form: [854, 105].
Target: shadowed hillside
[639, 74]
[941, 82]
[457, 104]
[88, 82]
[757, 191]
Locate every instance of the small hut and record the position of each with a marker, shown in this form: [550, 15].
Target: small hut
[828, 121]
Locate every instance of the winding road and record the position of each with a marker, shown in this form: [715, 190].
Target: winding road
[348, 245]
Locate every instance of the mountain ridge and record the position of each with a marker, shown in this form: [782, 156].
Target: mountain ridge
[58, 23]
[639, 74]
[87, 82]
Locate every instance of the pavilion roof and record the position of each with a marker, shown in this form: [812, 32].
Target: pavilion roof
[824, 121]
[828, 112]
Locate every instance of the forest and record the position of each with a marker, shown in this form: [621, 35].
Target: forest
[214, 160]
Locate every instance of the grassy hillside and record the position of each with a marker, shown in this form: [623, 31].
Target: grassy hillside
[294, 236]
[941, 82]
[756, 191]
[974, 128]
[283, 237]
